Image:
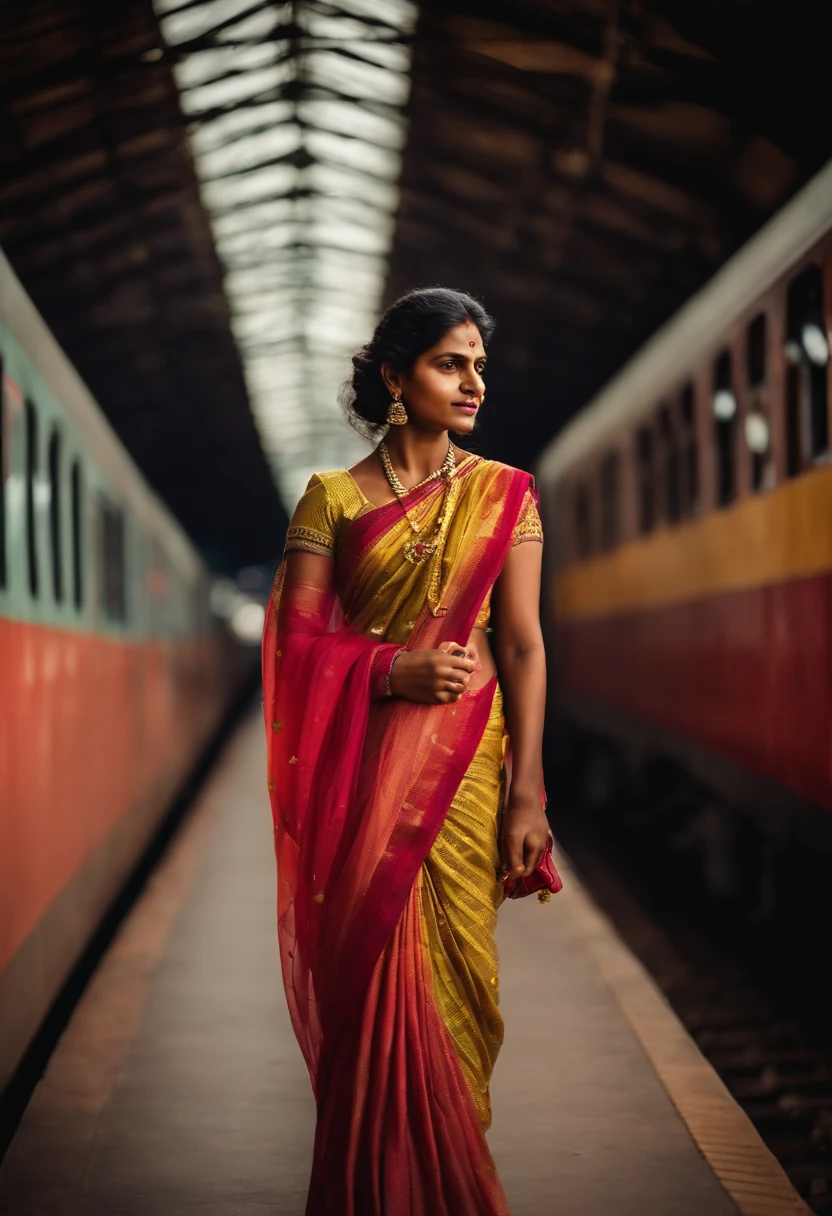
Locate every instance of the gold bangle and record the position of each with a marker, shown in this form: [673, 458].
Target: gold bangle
[388, 688]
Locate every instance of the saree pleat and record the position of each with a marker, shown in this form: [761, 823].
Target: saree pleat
[387, 819]
[460, 897]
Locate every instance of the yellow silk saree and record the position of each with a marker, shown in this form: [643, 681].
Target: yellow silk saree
[387, 820]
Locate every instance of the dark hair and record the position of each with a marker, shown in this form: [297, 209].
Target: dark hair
[412, 324]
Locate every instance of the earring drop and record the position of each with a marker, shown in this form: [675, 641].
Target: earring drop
[396, 413]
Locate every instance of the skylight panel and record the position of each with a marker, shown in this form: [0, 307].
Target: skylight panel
[296, 128]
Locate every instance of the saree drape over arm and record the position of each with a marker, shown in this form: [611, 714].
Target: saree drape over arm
[386, 818]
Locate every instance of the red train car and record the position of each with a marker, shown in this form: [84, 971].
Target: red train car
[689, 564]
[113, 670]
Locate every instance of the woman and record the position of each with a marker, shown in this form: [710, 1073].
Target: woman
[386, 735]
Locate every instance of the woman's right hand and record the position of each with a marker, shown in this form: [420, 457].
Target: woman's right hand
[434, 677]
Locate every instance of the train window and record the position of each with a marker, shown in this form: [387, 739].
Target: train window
[807, 354]
[583, 522]
[31, 515]
[76, 490]
[671, 468]
[111, 562]
[646, 480]
[610, 501]
[757, 434]
[2, 484]
[725, 419]
[55, 515]
[756, 350]
[689, 454]
[792, 420]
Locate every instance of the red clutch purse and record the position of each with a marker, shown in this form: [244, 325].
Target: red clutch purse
[544, 879]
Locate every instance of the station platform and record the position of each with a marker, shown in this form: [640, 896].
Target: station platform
[178, 1087]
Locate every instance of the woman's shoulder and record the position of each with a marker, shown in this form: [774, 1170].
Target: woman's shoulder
[336, 485]
[328, 502]
[494, 466]
[527, 525]
[335, 492]
[328, 478]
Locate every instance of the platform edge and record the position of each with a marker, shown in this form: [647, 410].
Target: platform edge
[722, 1132]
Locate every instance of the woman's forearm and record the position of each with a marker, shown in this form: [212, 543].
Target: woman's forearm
[522, 674]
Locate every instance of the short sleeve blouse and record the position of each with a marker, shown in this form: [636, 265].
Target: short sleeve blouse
[528, 526]
[328, 503]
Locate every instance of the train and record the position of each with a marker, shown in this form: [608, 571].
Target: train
[688, 575]
[115, 670]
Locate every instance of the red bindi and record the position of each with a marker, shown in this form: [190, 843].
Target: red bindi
[472, 344]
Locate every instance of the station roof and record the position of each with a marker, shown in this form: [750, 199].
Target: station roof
[297, 129]
[585, 165]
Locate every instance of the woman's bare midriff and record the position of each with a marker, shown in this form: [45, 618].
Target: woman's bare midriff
[479, 638]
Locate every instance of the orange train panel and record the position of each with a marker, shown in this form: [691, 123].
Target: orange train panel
[746, 673]
[769, 538]
[88, 727]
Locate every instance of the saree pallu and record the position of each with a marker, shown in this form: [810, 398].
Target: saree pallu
[386, 835]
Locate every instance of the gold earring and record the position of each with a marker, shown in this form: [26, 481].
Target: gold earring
[396, 413]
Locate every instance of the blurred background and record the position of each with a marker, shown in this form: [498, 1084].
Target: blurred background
[204, 207]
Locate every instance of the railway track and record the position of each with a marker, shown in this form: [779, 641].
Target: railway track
[769, 1051]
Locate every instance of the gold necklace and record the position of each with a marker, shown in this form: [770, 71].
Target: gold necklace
[418, 549]
[445, 469]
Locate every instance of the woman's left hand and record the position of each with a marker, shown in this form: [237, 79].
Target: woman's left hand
[525, 833]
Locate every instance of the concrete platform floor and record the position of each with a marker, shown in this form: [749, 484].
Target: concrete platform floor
[178, 1087]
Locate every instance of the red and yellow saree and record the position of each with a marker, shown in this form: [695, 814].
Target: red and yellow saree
[387, 818]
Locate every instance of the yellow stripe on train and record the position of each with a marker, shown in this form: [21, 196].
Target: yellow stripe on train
[783, 534]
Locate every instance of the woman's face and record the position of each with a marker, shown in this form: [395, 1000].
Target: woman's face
[445, 386]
